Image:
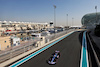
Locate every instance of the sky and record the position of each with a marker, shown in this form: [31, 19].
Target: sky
[41, 11]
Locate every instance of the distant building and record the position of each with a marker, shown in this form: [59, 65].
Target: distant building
[18, 26]
[15, 41]
[20, 29]
[8, 28]
[91, 20]
[0, 34]
[5, 42]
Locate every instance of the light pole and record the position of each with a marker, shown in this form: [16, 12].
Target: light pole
[54, 20]
[54, 15]
[96, 13]
[72, 21]
[66, 19]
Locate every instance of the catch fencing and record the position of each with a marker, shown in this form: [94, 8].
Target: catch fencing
[29, 45]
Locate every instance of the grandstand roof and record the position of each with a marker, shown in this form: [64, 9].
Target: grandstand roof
[91, 19]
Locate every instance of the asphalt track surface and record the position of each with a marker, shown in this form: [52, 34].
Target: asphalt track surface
[70, 50]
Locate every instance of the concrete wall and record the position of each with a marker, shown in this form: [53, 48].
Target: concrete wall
[91, 27]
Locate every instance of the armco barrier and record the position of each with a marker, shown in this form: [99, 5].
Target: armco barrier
[95, 55]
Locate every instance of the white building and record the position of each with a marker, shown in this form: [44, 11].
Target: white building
[15, 41]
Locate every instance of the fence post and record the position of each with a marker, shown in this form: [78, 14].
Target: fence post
[24, 49]
[11, 54]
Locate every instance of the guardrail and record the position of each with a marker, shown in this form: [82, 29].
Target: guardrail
[31, 45]
[95, 55]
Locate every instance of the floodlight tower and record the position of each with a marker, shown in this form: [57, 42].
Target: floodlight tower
[96, 14]
[66, 19]
[72, 21]
[54, 15]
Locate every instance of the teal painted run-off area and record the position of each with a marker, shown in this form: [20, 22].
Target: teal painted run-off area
[37, 52]
[84, 56]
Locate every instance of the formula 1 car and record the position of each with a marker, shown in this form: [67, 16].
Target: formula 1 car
[53, 60]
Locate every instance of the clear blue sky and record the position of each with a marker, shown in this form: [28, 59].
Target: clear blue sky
[43, 10]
